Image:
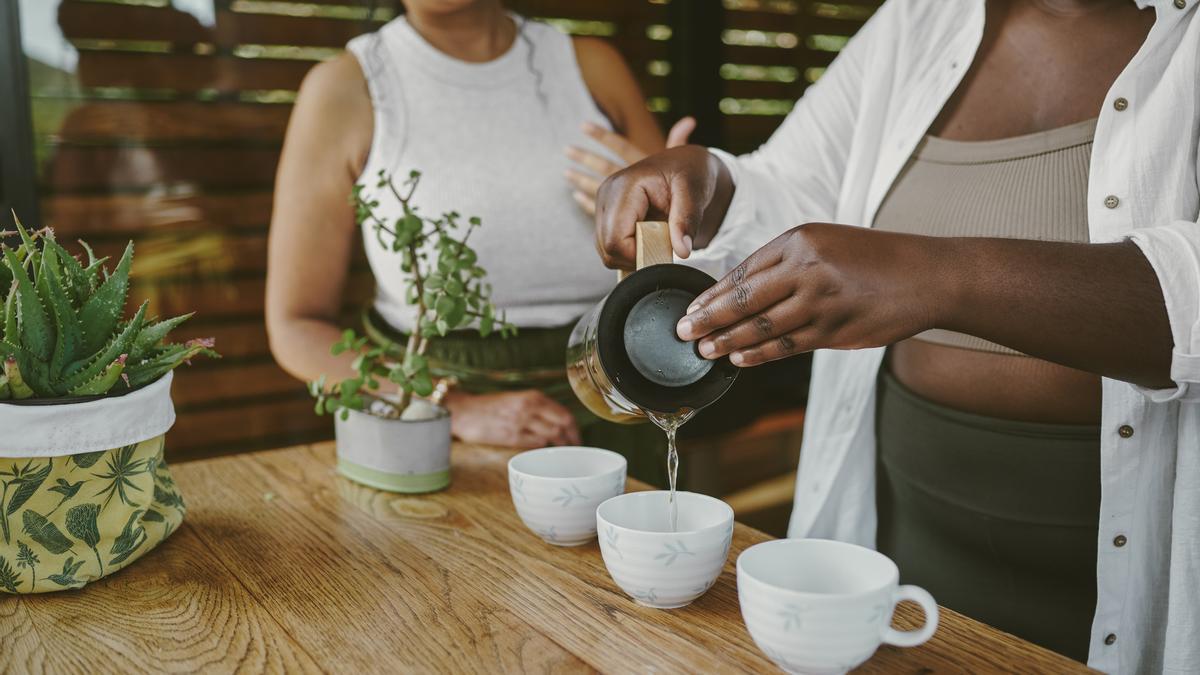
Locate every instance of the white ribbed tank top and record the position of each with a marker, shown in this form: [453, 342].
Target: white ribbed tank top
[488, 139]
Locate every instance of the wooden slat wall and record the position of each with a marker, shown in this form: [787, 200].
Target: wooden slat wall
[170, 131]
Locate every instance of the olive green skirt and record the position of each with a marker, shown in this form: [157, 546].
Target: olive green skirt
[535, 358]
[997, 519]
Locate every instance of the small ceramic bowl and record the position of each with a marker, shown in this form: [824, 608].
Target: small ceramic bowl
[556, 490]
[655, 566]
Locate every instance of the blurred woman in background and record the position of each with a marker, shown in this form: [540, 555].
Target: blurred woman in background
[494, 110]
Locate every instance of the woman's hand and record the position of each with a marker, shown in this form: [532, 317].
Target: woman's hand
[598, 167]
[821, 286]
[689, 187]
[519, 419]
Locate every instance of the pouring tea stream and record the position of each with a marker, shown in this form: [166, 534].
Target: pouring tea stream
[625, 362]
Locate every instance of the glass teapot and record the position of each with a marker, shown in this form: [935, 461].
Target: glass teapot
[624, 358]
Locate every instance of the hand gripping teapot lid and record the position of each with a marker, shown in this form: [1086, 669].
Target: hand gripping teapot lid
[640, 350]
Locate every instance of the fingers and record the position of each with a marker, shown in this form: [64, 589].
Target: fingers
[588, 204]
[592, 161]
[678, 135]
[620, 145]
[754, 285]
[583, 182]
[620, 203]
[684, 216]
[774, 322]
[801, 340]
[561, 418]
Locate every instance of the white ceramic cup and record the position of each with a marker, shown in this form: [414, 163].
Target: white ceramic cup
[655, 566]
[556, 490]
[820, 606]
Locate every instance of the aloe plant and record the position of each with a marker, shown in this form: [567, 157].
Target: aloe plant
[448, 293]
[63, 332]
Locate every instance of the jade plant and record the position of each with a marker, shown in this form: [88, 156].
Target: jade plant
[63, 328]
[448, 291]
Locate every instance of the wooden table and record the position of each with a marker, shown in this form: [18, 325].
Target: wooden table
[281, 565]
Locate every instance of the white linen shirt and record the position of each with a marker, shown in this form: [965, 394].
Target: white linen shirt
[833, 159]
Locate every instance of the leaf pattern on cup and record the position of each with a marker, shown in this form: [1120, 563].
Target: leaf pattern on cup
[673, 552]
[548, 534]
[569, 495]
[648, 595]
[517, 484]
[793, 617]
[610, 537]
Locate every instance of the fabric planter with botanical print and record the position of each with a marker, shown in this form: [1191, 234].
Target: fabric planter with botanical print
[84, 490]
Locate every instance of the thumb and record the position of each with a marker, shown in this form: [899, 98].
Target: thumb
[678, 135]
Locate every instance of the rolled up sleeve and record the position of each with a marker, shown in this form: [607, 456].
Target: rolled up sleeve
[1174, 252]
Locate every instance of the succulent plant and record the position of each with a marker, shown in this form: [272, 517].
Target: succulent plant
[448, 293]
[63, 333]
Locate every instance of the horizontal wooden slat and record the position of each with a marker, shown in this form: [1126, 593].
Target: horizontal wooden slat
[234, 427]
[94, 168]
[85, 216]
[802, 24]
[223, 298]
[106, 21]
[174, 121]
[189, 72]
[274, 29]
[774, 56]
[597, 10]
[214, 381]
[173, 255]
[790, 91]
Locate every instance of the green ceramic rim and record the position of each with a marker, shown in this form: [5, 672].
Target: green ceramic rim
[394, 482]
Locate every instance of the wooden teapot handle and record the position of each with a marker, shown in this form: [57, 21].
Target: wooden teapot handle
[653, 246]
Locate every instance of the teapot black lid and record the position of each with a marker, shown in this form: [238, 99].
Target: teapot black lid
[640, 351]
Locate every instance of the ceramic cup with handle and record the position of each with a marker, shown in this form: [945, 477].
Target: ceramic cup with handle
[655, 565]
[820, 606]
[556, 490]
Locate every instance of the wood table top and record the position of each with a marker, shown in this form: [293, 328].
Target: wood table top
[282, 565]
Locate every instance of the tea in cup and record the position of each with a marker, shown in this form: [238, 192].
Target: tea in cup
[654, 564]
[821, 606]
[556, 490]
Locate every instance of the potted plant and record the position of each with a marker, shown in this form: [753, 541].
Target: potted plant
[401, 442]
[85, 399]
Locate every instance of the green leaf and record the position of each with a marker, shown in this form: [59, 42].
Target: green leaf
[85, 460]
[442, 327]
[152, 516]
[16, 381]
[10, 312]
[74, 280]
[26, 487]
[34, 326]
[78, 374]
[68, 340]
[104, 381]
[101, 313]
[8, 576]
[45, 533]
[485, 326]
[422, 384]
[152, 336]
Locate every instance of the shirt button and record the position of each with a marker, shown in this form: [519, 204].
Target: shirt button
[1112, 201]
[1119, 540]
[1110, 638]
[1181, 4]
[1121, 103]
[1125, 431]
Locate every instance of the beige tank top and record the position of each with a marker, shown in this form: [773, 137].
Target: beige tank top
[1025, 187]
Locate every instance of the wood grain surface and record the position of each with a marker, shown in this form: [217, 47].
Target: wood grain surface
[281, 565]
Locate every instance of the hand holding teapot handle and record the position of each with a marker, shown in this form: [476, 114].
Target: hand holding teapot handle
[688, 186]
